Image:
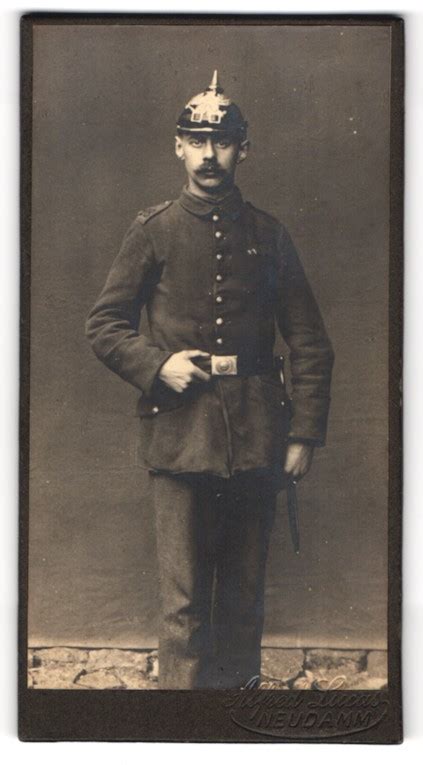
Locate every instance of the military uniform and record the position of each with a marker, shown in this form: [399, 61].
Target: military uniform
[216, 275]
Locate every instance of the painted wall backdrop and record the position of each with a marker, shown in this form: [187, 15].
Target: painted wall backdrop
[105, 103]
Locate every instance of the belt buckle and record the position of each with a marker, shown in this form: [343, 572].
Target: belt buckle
[224, 365]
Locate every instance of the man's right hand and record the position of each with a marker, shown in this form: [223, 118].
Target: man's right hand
[178, 371]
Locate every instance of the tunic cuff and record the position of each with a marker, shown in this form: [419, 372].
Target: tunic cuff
[309, 420]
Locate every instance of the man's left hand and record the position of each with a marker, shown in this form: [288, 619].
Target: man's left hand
[298, 460]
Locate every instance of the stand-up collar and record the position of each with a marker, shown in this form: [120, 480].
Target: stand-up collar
[204, 207]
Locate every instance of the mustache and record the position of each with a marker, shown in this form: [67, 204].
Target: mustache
[210, 167]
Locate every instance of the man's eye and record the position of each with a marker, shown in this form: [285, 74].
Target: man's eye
[195, 142]
[222, 144]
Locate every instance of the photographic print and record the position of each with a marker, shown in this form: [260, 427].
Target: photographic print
[211, 358]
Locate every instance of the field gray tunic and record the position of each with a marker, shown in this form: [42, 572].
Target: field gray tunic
[217, 276]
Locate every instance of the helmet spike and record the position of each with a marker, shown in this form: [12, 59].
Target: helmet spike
[215, 85]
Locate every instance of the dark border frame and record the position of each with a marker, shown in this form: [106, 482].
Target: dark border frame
[211, 716]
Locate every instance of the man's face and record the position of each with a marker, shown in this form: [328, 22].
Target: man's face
[210, 159]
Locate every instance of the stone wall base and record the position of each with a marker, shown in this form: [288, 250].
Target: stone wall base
[282, 668]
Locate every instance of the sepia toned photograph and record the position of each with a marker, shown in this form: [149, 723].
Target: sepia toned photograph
[210, 406]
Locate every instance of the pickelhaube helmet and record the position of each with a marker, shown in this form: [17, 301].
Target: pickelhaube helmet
[211, 111]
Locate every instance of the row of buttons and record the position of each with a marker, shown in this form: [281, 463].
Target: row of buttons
[219, 298]
[219, 277]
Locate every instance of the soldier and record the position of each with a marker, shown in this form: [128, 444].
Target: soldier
[219, 435]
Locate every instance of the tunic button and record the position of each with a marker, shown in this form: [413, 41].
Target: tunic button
[219, 299]
[282, 403]
[219, 277]
[218, 234]
[216, 217]
[219, 341]
[155, 409]
[219, 256]
[219, 321]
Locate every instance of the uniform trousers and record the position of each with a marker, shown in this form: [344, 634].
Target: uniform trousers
[212, 544]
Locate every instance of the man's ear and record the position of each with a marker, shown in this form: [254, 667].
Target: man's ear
[243, 151]
[179, 148]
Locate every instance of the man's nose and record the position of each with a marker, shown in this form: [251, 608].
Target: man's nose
[209, 149]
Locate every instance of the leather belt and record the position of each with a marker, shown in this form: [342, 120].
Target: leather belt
[236, 365]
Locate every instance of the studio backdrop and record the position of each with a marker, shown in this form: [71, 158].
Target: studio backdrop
[106, 98]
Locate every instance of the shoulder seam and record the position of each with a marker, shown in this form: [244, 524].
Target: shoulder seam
[265, 214]
[150, 212]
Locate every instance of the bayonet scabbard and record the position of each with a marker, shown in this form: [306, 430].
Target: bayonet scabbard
[294, 526]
